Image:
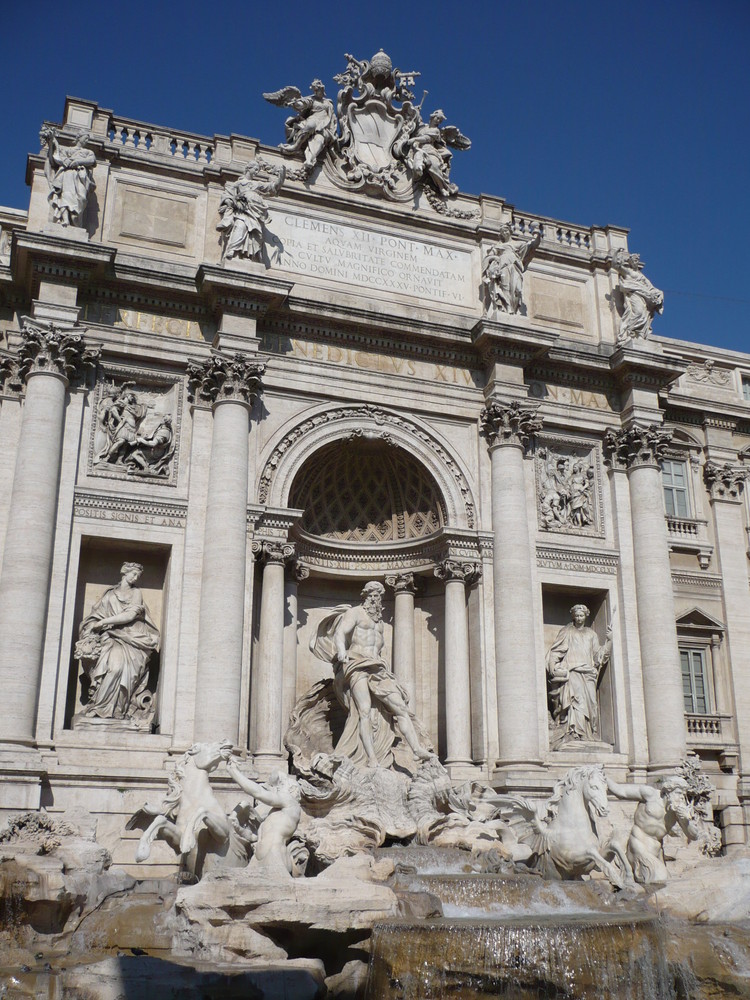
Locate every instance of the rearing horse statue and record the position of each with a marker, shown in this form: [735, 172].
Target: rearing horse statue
[191, 819]
[561, 831]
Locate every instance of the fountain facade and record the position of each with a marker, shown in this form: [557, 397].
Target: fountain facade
[345, 513]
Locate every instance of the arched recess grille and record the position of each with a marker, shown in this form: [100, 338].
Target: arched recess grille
[366, 491]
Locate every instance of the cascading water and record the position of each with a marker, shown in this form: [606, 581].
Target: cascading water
[591, 957]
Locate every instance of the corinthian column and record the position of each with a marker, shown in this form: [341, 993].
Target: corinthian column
[268, 671]
[49, 357]
[231, 385]
[639, 449]
[296, 573]
[726, 485]
[508, 428]
[456, 576]
[404, 665]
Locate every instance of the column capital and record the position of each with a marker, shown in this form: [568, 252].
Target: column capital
[50, 349]
[725, 482]
[635, 445]
[225, 377]
[268, 550]
[402, 583]
[510, 423]
[454, 569]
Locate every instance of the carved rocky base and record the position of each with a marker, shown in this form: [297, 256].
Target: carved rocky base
[138, 724]
[561, 739]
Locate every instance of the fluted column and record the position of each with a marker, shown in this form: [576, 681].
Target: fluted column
[296, 573]
[230, 384]
[268, 671]
[404, 660]
[508, 428]
[726, 486]
[49, 357]
[639, 449]
[456, 575]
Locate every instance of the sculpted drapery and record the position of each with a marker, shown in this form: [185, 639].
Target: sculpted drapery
[119, 632]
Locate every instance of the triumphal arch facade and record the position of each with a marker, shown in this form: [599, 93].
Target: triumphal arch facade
[241, 383]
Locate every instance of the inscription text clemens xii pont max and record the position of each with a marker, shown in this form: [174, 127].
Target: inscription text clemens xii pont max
[375, 260]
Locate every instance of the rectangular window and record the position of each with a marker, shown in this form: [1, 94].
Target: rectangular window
[694, 687]
[746, 389]
[674, 477]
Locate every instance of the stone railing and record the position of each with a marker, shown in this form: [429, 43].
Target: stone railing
[553, 232]
[131, 134]
[684, 528]
[701, 728]
[690, 534]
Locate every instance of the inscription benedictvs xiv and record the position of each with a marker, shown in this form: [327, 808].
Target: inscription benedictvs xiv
[373, 259]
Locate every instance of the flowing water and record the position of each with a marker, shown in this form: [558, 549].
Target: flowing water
[533, 958]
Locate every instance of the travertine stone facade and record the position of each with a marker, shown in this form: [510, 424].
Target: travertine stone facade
[375, 389]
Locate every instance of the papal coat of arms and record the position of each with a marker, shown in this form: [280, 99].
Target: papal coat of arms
[376, 138]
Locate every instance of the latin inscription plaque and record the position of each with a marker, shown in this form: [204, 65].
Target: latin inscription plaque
[381, 261]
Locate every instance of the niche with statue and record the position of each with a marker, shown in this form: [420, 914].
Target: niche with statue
[115, 659]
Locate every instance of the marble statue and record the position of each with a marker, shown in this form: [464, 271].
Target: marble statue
[277, 829]
[351, 638]
[191, 819]
[376, 139]
[131, 436]
[116, 641]
[561, 830]
[312, 129]
[69, 171]
[244, 212]
[566, 488]
[660, 808]
[503, 269]
[574, 663]
[427, 153]
[641, 300]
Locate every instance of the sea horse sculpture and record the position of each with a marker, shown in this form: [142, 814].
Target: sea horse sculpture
[561, 831]
[191, 819]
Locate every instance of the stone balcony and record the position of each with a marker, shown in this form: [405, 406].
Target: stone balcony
[710, 731]
[690, 534]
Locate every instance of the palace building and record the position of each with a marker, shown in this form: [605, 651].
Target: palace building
[239, 382]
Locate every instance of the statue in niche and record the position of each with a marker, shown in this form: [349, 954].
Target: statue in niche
[351, 639]
[313, 128]
[574, 664]
[282, 794]
[566, 488]
[69, 171]
[132, 435]
[503, 270]
[427, 154]
[116, 641]
[641, 300]
[660, 808]
[244, 212]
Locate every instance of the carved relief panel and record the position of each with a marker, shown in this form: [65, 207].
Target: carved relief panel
[568, 487]
[135, 427]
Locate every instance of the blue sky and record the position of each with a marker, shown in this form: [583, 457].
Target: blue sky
[632, 114]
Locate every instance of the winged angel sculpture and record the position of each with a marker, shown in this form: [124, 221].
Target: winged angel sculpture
[376, 138]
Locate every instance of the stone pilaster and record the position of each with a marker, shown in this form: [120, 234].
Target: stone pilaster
[268, 671]
[48, 359]
[404, 659]
[508, 428]
[295, 574]
[230, 384]
[456, 576]
[726, 486]
[639, 448]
